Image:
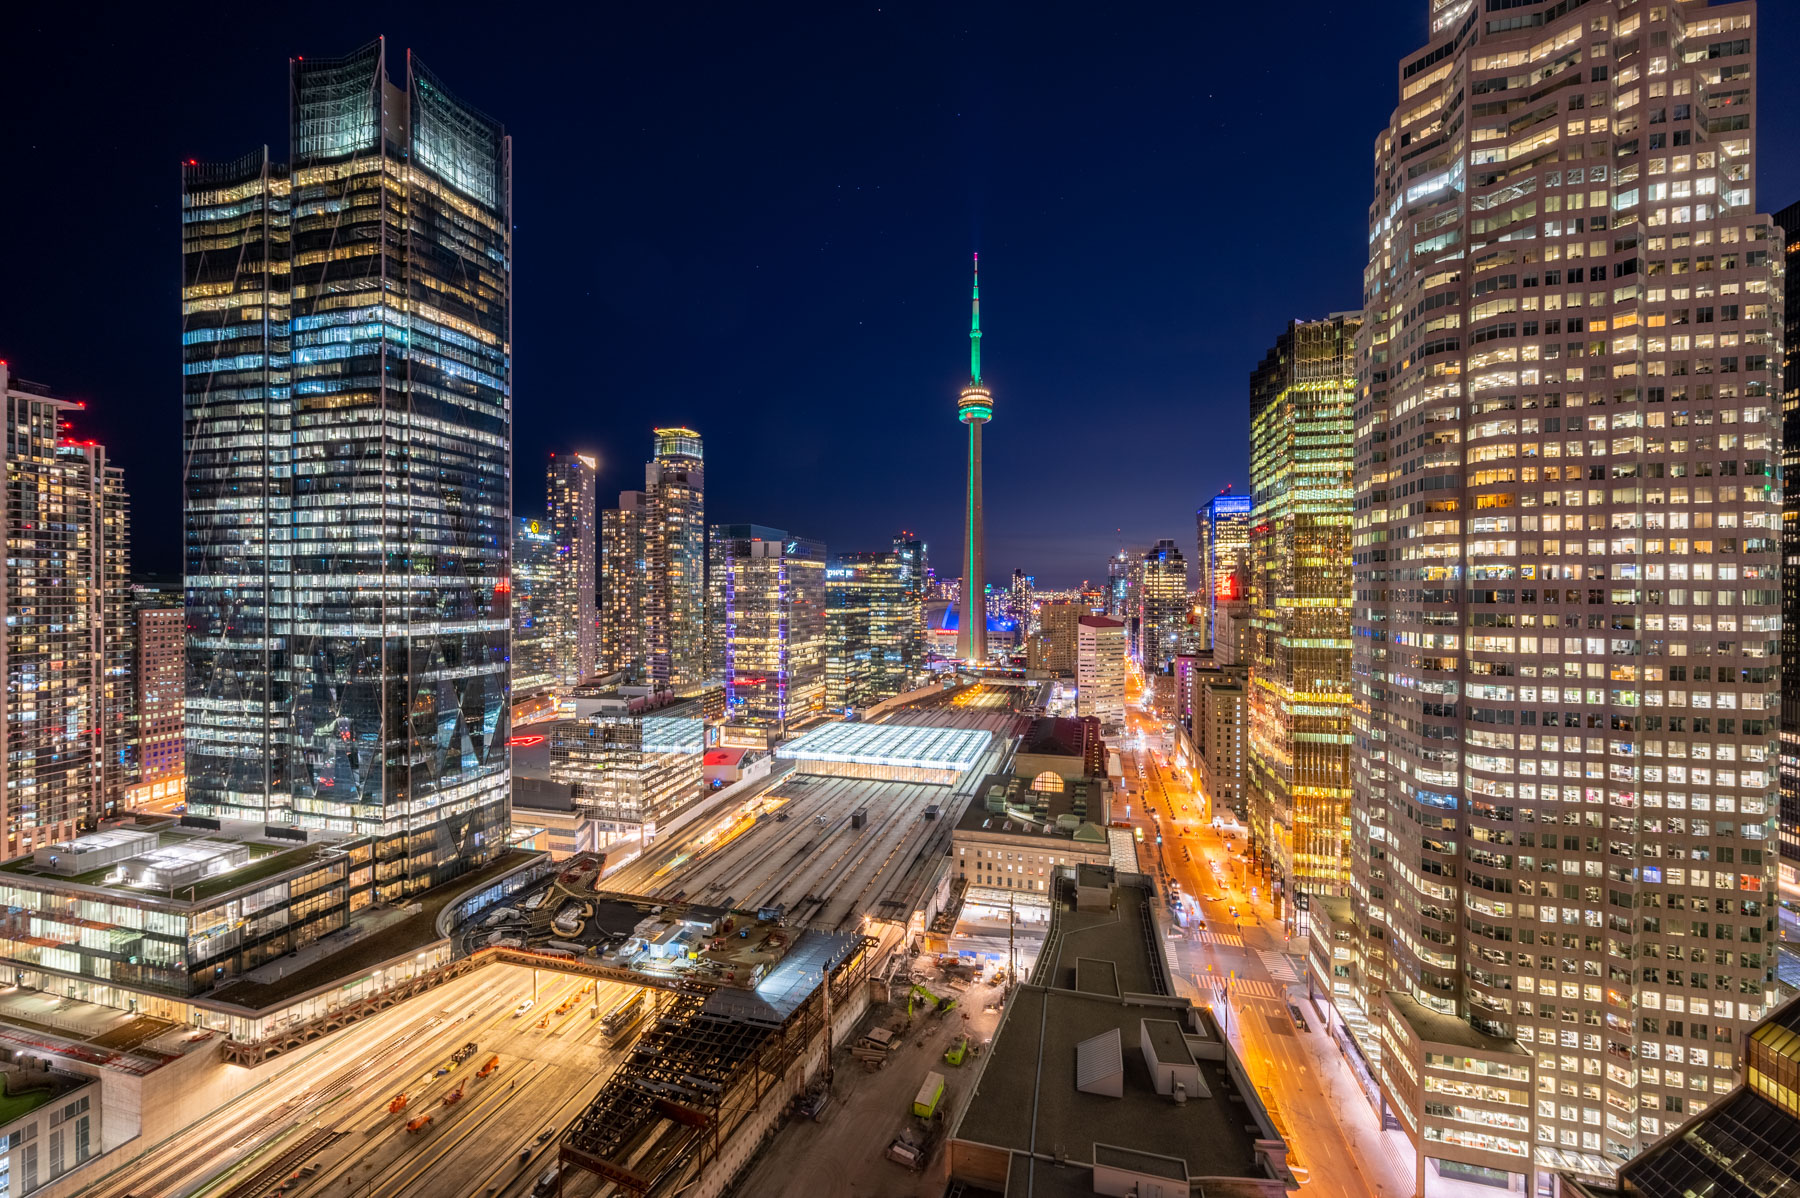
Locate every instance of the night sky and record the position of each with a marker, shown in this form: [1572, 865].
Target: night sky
[757, 220]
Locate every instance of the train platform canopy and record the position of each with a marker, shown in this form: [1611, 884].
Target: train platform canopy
[888, 752]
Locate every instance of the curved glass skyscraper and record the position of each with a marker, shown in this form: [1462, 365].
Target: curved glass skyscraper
[348, 438]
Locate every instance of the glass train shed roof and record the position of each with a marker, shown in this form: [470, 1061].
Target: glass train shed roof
[902, 745]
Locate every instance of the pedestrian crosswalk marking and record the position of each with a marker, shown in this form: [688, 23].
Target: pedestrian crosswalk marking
[1278, 965]
[1222, 939]
[1240, 987]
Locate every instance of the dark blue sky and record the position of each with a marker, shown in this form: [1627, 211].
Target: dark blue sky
[758, 219]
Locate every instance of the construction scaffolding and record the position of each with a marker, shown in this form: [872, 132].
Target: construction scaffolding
[692, 1080]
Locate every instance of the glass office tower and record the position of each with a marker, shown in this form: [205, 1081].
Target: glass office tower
[348, 423]
[534, 592]
[1299, 567]
[1224, 536]
[767, 593]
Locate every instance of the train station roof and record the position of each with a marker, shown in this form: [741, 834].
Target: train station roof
[896, 745]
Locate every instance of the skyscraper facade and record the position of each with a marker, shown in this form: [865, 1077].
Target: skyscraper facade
[572, 625]
[1224, 545]
[869, 622]
[159, 681]
[1118, 586]
[1566, 605]
[1100, 671]
[675, 545]
[1299, 569]
[534, 595]
[1788, 219]
[624, 585]
[1162, 606]
[974, 407]
[767, 593]
[1020, 601]
[916, 584]
[1056, 637]
[348, 434]
[66, 710]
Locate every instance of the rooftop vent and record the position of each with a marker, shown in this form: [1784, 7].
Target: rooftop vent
[1100, 1065]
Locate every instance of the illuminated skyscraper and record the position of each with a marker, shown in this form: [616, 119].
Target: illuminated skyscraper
[1020, 601]
[534, 572]
[1567, 612]
[570, 598]
[624, 586]
[1789, 830]
[1100, 670]
[974, 408]
[675, 544]
[348, 450]
[1224, 535]
[916, 586]
[870, 621]
[66, 706]
[1299, 569]
[1162, 606]
[767, 594]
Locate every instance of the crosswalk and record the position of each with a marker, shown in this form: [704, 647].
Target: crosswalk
[1220, 939]
[1240, 987]
[1278, 964]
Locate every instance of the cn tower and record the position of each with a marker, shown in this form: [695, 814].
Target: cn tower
[975, 407]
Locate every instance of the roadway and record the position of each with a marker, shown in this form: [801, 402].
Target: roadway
[329, 1108]
[1237, 959]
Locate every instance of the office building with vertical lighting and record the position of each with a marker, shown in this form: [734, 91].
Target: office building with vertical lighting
[534, 594]
[1567, 605]
[974, 407]
[347, 325]
[572, 624]
[1299, 570]
[67, 705]
[768, 597]
[624, 586]
[1224, 536]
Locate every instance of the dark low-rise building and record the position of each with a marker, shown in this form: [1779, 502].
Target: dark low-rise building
[1102, 1081]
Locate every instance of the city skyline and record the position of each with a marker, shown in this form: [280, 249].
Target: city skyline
[776, 283]
[1434, 836]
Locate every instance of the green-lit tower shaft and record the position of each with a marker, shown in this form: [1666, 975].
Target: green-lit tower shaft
[974, 408]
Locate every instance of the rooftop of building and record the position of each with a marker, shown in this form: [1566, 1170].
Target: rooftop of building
[1060, 736]
[190, 860]
[1007, 804]
[907, 745]
[1432, 1027]
[26, 1087]
[1100, 622]
[1099, 994]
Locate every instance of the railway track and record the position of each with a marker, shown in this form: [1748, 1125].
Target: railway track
[279, 1169]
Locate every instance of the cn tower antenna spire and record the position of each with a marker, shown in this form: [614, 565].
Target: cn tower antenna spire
[975, 327]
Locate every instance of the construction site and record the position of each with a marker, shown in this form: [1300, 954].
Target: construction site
[849, 863]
